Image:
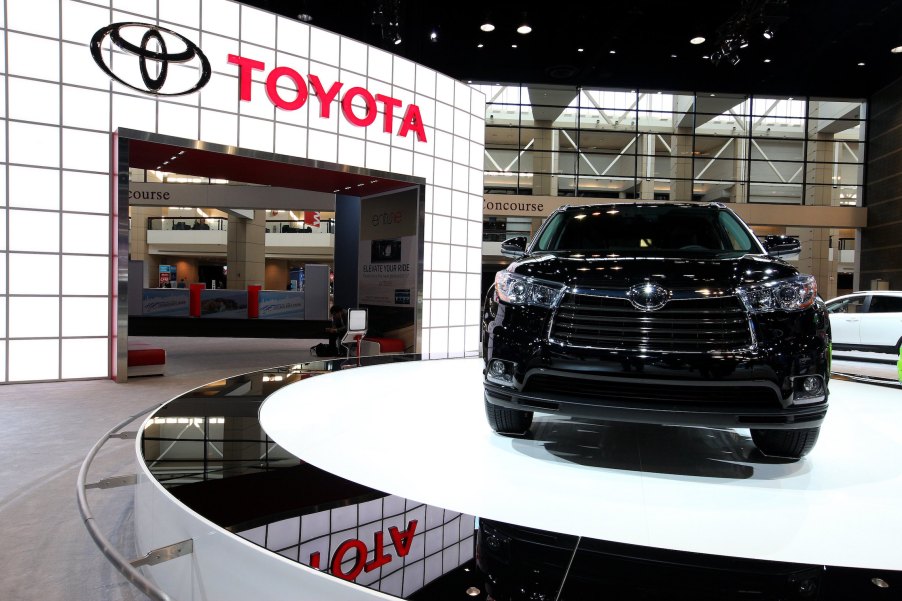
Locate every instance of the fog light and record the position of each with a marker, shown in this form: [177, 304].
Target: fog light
[812, 385]
[497, 368]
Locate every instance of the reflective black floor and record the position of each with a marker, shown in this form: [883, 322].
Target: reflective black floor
[208, 449]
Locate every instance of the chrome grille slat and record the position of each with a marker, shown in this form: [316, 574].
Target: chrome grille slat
[685, 325]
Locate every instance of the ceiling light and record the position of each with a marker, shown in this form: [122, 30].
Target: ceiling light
[479, 45]
[579, 50]
[397, 39]
[743, 43]
[305, 17]
[433, 36]
[673, 56]
[767, 60]
[706, 57]
[768, 33]
[897, 50]
[513, 45]
[697, 40]
[612, 52]
[524, 29]
[487, 27]
[861, 64]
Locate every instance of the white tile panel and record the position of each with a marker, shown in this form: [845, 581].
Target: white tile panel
[81, 21]
[33, 231]
[34, 274]
[258, 27]
[175, 120]
[86, 234]
[86, 192]
[220, 17]
[86, 151]
[32, 359]
[291, 140]
[79, 69]
[74, 269]
[39, 17]
[324, 47]
[255, 134]
[85, 316]
[353, 56]
[183, 12]
[34, 188]
[84, 358]
[35, 317]
[293, 37]
[146, 8]
[35, 57]
[88, 109]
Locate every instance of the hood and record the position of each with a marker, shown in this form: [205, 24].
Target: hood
[721, 275]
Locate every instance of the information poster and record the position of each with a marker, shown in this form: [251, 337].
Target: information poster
[388, 250]
[162, 302]
[167, 276]
[276, 304]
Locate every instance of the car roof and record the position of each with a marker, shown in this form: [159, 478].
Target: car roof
[649, 205]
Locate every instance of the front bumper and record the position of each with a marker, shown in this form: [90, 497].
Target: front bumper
[756, 387]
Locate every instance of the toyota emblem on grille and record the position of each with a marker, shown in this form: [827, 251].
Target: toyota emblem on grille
[185, 51]
[648, 296]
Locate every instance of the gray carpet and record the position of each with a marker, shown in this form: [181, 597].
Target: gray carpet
[45, 432]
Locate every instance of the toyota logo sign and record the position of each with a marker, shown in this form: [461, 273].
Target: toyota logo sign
[648, 296]
[171, 47]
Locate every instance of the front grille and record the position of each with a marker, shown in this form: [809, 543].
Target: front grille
[651, 392]
[687, 325]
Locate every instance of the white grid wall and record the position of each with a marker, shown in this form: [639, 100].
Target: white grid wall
[58, 109]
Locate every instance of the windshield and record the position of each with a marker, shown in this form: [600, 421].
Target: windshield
[649, 230]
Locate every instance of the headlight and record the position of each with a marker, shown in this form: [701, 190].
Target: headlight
[519, 290]
[791, 294]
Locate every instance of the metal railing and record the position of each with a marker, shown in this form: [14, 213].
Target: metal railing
[127, 568]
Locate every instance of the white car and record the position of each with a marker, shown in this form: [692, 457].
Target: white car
[867, 321]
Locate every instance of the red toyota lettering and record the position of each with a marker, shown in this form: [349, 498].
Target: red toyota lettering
[347, 107]
[389, 103]
[403, 540]
[272, 90]
[380, 558]
[325, 97]
[339, 556]
[412, 120]
[245, 67]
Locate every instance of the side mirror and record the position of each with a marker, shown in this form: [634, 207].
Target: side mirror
[786, 247]
[514, 247]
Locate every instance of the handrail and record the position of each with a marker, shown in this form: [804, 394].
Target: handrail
[119, 561]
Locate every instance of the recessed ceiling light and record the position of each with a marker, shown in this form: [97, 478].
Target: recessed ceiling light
[767, 60]
[897, 50]
[706, 57]
[861, 64]
[524, 29]
[305, 17]
[612, 52]
[433, 36]
[513, 45]
[712, 95]
[673, 56]
[580, 50]
[487, 27]
[479, 45]
[697, 40]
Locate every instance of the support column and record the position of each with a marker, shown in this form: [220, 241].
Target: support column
[646, 166]
[545, 160]
[681, 164]
[820, 191]
[246, 251]
[738, 192]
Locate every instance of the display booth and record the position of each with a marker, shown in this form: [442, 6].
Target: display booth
[94, 88]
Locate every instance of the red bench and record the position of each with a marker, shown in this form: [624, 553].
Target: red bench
[145, 359]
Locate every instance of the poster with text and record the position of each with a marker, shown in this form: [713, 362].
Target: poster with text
[388, 259]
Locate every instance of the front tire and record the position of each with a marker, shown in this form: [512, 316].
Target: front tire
[508, 421]
[786, 443]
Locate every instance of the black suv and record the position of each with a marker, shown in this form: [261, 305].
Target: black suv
[657, 313]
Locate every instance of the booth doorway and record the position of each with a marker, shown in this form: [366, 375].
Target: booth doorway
[281, 183]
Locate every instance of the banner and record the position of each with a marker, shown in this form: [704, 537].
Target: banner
[165, 302]
[388, 251]
[277, 304]
[224, 304]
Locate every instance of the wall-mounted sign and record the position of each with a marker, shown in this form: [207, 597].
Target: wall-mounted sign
[168, 47]
[411, 121]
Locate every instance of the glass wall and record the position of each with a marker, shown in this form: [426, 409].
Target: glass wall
[657, 145]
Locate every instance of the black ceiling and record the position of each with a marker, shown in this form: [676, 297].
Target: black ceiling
[815, 50]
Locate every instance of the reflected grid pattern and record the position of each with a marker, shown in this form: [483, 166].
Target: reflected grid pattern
[443, 540]
[658, 145]
[58, 109]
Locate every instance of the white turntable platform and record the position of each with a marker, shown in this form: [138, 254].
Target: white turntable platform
[418, 430]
